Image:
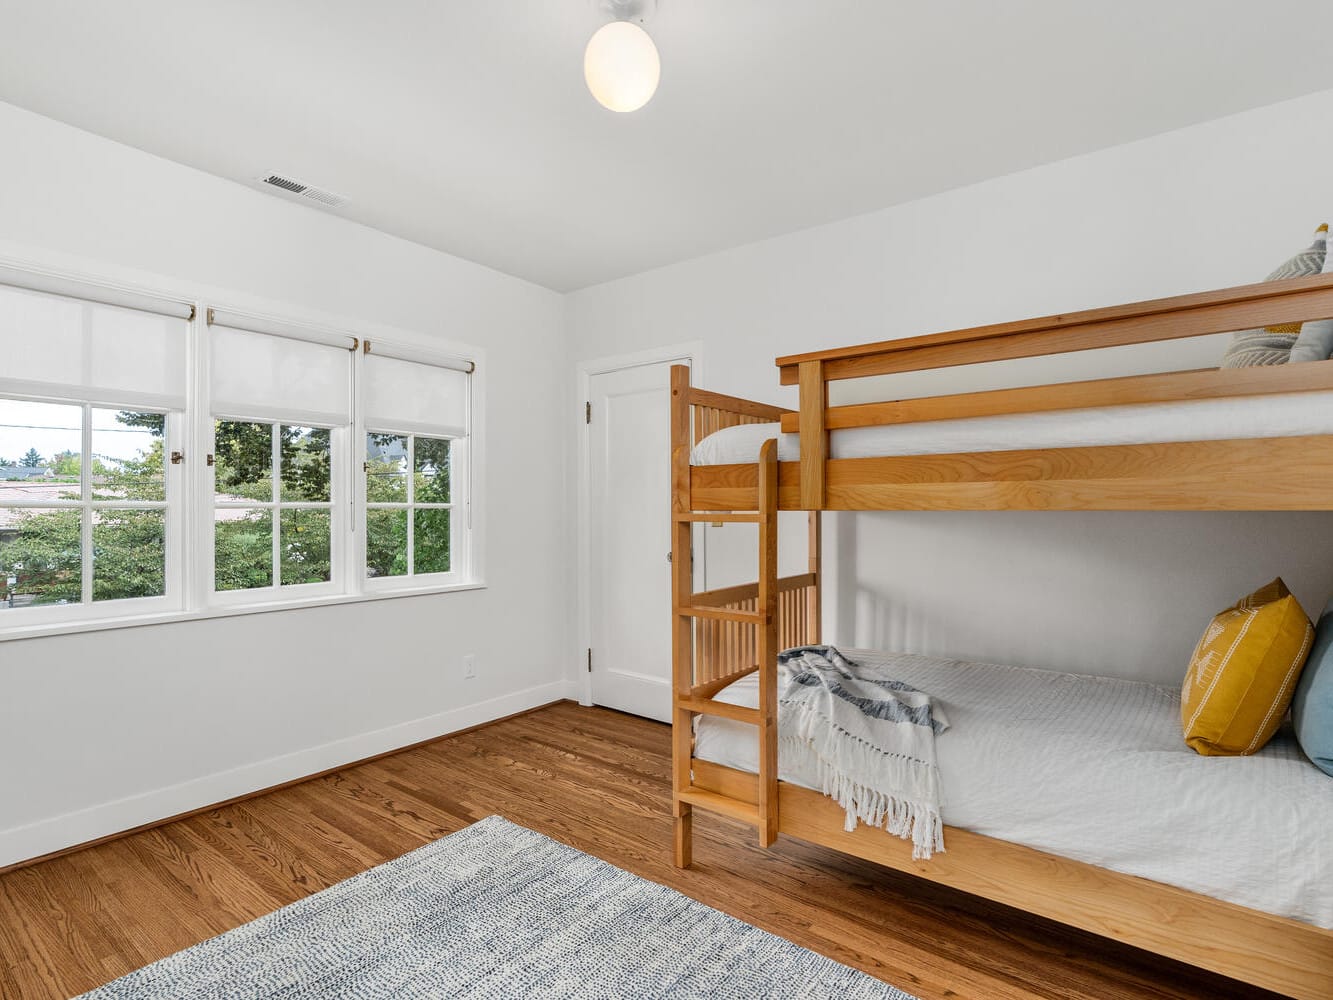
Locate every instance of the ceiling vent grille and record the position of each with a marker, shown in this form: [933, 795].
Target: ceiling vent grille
[319, 195]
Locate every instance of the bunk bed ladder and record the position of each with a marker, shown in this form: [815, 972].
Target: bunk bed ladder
[722, 635]
[717, 607]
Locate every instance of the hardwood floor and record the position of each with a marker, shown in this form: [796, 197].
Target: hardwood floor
[593, 778]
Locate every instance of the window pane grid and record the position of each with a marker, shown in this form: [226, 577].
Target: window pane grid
[409, 508]
[87, 508]
[273, 505]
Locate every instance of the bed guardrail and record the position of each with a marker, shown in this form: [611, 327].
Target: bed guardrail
[1271, 303]
[725, 649]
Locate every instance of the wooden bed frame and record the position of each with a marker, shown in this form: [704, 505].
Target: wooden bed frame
[722, 635]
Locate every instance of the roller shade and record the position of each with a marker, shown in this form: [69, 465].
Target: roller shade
[411, 396]
[73, 347]
[69, 288]
[280, 377]
[276, 328]
[383, 350]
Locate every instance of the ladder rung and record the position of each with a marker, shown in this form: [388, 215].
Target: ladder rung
[723, 614]
[721, 518]
[746, 812]
[709, 706]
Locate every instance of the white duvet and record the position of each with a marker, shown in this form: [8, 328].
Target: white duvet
[1286, 415]
[1095, 769]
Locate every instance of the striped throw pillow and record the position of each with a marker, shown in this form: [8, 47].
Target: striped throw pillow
[1315, 342]
[1243, 672]
[1272, 345]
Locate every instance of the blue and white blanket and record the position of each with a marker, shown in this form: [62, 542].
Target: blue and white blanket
[873, 738]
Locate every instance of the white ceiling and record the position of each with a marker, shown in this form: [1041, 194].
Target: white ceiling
[465, 124]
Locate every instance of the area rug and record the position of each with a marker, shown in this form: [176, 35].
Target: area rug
[495, 911]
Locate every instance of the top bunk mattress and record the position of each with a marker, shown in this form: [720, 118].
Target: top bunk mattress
[1277, 415]
[1095, 769]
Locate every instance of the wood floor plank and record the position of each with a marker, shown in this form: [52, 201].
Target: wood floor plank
[595, 779]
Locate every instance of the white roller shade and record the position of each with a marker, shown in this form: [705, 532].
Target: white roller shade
[417, 398]
[35, 281]
[276, 328]
[279, 378]
[421, 357]
[75, 348]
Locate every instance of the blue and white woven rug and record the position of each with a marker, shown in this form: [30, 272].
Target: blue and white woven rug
[495, 911]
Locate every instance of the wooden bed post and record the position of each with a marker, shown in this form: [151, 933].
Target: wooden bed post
[814, 437]
[682, 587]
[767, 646]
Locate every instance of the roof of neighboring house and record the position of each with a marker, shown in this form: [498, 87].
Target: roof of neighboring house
[31, 492]
[45, 492]
[24, 471]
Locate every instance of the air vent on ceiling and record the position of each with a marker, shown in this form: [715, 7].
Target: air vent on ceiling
[321, 195]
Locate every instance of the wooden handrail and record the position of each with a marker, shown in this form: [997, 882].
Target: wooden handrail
[746, 591]
[1208, 383]
[733, 404]
[1220, 311]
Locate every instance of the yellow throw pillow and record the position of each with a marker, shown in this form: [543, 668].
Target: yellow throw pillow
[1243, 673]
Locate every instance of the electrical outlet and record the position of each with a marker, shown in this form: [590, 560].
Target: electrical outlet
[469, 666]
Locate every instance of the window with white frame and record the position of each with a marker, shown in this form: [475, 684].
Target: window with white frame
[92, 400]
[281, 406]
[415, 482]
[157, 464]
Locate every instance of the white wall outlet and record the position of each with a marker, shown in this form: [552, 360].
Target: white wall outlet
[469, 666]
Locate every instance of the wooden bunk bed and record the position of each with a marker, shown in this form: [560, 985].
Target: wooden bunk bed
[720, 636]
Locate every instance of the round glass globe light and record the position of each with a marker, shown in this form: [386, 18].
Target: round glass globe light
[621, 66]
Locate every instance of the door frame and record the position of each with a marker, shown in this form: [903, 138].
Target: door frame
[691, 351]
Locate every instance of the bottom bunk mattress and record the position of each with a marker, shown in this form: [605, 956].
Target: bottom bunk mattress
[1095, 769]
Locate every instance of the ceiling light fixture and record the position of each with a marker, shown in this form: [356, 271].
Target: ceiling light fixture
[620, 64]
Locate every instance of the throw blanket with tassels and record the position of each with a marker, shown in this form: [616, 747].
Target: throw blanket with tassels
[873, 738]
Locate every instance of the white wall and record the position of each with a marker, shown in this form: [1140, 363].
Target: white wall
[107, 730]
[1125, 594]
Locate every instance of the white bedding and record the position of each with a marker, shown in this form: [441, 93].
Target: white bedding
[1288, 415]
[1095, 769]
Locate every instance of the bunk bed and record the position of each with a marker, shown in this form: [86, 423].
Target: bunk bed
[1081, 446]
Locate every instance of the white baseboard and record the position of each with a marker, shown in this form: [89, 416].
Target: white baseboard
[59, 832]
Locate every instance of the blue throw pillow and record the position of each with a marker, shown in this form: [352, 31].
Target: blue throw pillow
[1312, 705]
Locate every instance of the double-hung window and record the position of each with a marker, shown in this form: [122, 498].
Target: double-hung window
[281, 408]
[415, 469]
[92, 400]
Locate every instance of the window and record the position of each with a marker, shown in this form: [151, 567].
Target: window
[273, 505]
[91, 406]
[157, 464]
[408, 522]
[415, 471]
[282, 410]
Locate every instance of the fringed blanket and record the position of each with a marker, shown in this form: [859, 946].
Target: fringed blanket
[874, 739]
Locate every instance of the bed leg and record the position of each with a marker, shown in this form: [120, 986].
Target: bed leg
[684, 823]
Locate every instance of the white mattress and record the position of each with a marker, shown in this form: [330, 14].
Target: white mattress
[1288, 415]
[1095, 769]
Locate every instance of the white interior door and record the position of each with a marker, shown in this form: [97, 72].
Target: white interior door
[630, 538]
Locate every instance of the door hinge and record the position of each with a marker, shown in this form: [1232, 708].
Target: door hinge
[177, 457]
[587, 412]
[590, 661]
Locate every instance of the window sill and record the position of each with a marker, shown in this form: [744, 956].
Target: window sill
[167, 618]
